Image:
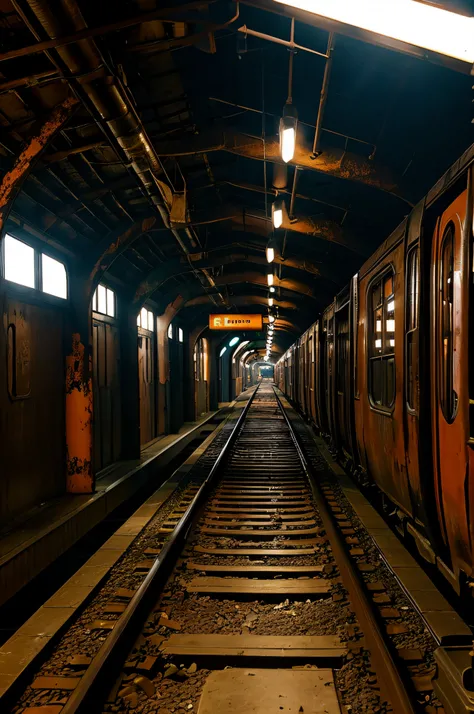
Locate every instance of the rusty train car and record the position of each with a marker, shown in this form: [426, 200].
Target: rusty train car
[384, 374]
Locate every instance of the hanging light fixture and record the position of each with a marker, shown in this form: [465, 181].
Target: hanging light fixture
[270, 278]
[277, 215]
[288, 124]
[271, 248]
[272, 289]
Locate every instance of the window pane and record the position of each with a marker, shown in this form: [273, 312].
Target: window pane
[180, 334]
[388, 286]
[54, 277]
[170, 332]
[376, 381]
[448, 396]
[138, 320]
[110, 303]
[389, 381]
[94, 301]
[102, 299]
[150, 321]
[19, 262]
[143, 318]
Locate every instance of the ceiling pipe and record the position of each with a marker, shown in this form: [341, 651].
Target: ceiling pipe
[111, 100]
[323, 97]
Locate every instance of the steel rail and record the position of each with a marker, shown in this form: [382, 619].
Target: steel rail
[86, 697]
[389, 678]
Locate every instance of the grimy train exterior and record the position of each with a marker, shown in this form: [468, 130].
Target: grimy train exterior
[386, 373]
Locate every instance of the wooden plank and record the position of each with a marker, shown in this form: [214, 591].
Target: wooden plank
[261, 691]
[244, 533]
[281, 510]
[257, 524]
[265, 517]
[259, 588]
[262, 569]
[272, 552]
[257, 500]
[301, 646]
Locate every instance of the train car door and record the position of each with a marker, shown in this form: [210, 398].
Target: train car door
[343, 379]
[147, 375]
[176, 393]
[106, 378]
[329, 376]
[452, 447]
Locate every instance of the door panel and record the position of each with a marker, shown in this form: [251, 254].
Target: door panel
[147, 386]
[450, 398]
[107, 410]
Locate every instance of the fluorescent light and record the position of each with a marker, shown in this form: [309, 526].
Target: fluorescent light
[270, 302]
[270, 278]
[415, 23]
[222, 351]
[270, 252]
[277, 216]
[288, 124]
[234, 341]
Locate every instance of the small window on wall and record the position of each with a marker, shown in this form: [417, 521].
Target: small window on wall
[19, 262]
[146, 319]
[103, 301]
[381, 304]
[170, 331]
[449, 398]
[413, 292]
[180, 335]
[53, 277]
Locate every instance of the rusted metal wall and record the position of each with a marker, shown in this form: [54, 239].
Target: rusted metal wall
[32, 420]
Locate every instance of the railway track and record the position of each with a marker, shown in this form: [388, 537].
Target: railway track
[246, 599]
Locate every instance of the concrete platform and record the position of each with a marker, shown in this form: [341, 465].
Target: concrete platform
[37, 541]
[41, 630]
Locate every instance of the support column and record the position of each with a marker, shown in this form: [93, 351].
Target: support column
[79, 397]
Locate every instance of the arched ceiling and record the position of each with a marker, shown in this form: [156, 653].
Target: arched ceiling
[161, 175]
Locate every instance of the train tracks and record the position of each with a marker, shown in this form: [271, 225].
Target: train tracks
[248, 588]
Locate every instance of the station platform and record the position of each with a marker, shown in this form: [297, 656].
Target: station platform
[41, 536]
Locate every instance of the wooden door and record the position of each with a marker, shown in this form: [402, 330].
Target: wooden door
[147, 385]
[107, 409]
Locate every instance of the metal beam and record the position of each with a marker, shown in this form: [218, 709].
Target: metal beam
[332, 161]
[13, 179]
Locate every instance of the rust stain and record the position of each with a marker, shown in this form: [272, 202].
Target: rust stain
[78, 420]
[35, 146]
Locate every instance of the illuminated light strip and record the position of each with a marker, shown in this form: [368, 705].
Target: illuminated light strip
[415, 23]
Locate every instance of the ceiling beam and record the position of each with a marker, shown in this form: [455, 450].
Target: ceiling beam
[333, 161]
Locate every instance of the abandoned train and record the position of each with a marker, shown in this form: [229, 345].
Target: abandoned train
[386, 373]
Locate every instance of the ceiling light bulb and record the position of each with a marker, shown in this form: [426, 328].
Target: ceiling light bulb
[271, 251]
[272, 290]
[270, 278]
[270, 302]
[271, 318]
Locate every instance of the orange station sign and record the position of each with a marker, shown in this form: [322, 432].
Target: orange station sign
[235, 322]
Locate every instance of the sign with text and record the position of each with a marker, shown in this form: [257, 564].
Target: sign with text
[235, 322]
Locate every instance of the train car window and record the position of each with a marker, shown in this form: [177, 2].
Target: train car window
[53, 277]
[181, 335]
[170, 331]
[411, 341]
[19, 260]
[103, 301]
[382, 342]
[448, 395]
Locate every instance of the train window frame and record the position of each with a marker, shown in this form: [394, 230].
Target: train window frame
[385, 406]
[32, 253]
[47, 289]
[449, 406]
[146, 320]
[412, 328]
